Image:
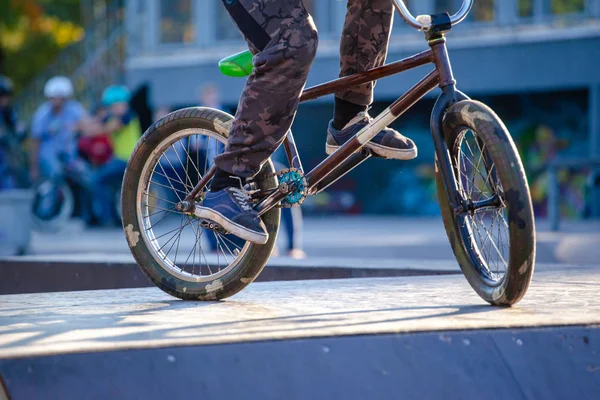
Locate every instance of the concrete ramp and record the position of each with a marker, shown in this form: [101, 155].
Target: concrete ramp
[392, 338]
[554, 363]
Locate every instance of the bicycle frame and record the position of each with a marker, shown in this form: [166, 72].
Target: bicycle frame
[352, 153]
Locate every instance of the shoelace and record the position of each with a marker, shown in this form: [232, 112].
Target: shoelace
[243, 197]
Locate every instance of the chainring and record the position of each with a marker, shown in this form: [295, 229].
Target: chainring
[295, 176]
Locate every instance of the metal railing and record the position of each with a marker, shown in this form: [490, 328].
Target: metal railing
[554, 187]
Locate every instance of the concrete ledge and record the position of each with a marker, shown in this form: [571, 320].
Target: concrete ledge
[74, 272]
[551, 363]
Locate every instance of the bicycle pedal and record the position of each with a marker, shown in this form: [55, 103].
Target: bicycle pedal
[211, 226]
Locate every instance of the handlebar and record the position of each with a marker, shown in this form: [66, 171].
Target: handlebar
[423, 22]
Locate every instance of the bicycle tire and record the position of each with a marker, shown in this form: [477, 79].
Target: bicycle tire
[503, 165]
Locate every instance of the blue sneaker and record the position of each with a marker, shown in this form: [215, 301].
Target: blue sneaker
[232, 210]
[387, 144]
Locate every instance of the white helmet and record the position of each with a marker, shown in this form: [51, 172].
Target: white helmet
[59, 86]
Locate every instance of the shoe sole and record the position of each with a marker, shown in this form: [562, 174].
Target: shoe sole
[381, 151]
[230, 226]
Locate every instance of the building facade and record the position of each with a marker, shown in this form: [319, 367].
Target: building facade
[535, 61]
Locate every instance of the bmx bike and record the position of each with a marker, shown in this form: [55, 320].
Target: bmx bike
[483, 193]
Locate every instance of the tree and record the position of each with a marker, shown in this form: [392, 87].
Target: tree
[32, 33]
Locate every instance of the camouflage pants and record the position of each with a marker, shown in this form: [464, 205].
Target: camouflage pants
[283, 37]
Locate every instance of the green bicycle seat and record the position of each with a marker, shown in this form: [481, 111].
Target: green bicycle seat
[237, 65]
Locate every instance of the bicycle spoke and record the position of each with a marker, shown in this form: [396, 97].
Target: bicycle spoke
[178, 234]
[185, 170]
[189, 159]
[153, 224]
[199, 231]
[473, 167]
[165, 234]
[237, 247]
[176, 173]
[169, 180]
[167, 187]
[495, 247]
[232, 253]
[167, 210]
[155, 213]
[178, 240]
[222, 249]
[158, 198]
[206, 155]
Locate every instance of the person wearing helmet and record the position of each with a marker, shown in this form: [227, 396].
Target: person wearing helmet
[53, 131]
[123, 129]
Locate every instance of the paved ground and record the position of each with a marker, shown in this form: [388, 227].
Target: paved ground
[141, 318]
[363, 237]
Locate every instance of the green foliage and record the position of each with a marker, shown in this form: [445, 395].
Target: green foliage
[567, 6]
[32, 33]
[64, 10]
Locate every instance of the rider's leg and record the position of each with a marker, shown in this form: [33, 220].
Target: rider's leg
[283, 38]
[364, 46]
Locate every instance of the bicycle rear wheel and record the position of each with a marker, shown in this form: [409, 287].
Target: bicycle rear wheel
[493, 238]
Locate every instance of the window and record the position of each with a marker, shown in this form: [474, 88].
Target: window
[483, 10]
[176, 22]
[449, 6]
[226, 29]
[138, 24]
[567, 6]
[525, 8]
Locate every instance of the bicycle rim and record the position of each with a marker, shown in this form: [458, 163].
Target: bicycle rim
[485, 231]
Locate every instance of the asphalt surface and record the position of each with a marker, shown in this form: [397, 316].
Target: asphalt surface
[74, 322]
[354, 237]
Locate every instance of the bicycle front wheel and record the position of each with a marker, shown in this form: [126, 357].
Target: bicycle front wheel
[493, 237]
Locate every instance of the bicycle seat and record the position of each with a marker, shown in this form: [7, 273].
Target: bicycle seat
[238, 65]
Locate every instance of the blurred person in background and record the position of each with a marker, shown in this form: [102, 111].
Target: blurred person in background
[13, 165]
[54, 132]
[209, 96]
[96, 149]
[53, 147]
[122, 126]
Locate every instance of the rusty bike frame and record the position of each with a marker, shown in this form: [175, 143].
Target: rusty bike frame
[352, 153]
